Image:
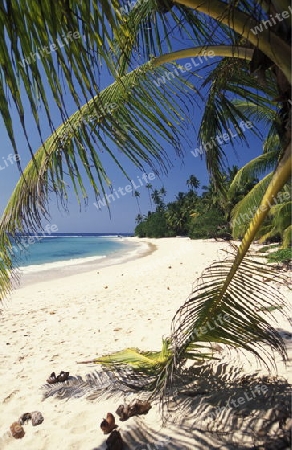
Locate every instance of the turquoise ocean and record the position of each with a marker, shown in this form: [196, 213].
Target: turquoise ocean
[60, 250]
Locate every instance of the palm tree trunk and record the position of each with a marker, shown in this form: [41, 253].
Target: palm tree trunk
[267, 41]
[218, 50]
[280, 177]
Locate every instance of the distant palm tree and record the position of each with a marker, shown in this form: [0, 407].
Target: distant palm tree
[137, 195]
[162, 192]
[149, 187]
[193, 182]
[157, 197]
[139, 218]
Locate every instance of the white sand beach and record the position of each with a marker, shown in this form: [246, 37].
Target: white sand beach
[50, 325]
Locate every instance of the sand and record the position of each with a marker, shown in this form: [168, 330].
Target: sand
[50, 325]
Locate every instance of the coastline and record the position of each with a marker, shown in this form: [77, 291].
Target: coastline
[29, 275]
[52, 324]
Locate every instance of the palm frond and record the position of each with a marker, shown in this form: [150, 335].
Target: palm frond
[287, 237]
[61, 40]
[137, 360]
[148, 29]
[280, 218]
[267, 232]
[255, 168]
[272, 142]
[221, 115]
[101, 384]
[209, 316]
[269, 116]
[245, 209]
[260, 112]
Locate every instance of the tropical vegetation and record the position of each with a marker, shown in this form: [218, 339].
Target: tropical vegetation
[139, 48]
[190, 214]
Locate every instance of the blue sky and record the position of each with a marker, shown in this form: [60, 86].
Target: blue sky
[124, 209]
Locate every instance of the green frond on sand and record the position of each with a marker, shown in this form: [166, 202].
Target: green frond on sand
[137, 359]
[148, 362]
[212, 315]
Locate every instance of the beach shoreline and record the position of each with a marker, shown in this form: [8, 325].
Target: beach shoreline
[52, 324]
[29, 275]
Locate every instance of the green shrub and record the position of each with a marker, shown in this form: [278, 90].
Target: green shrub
[283, 255]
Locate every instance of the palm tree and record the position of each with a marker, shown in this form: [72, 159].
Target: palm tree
[139, 218]
[149, 187]
[142, 100]
[193, 182]
[157, 197]
[137, 195]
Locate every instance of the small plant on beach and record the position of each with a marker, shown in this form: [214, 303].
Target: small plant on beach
[283, 255]
[267, 248]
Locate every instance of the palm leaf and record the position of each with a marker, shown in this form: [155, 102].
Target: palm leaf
[214, 313]
[245, 209]
[260, 112]
[272, 142]
[102, 384]
[38, 39]
[280, 217]
[137, 359]
[254, 169]
[148, 28]
[287, 237]
[222, 115]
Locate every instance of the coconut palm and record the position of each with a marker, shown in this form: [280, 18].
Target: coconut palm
[144, 111]
[149, 187]
[193, 182]
[139, 218]
[157, 197]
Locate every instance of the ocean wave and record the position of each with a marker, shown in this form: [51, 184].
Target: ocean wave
[110, 236]
[59, 264]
